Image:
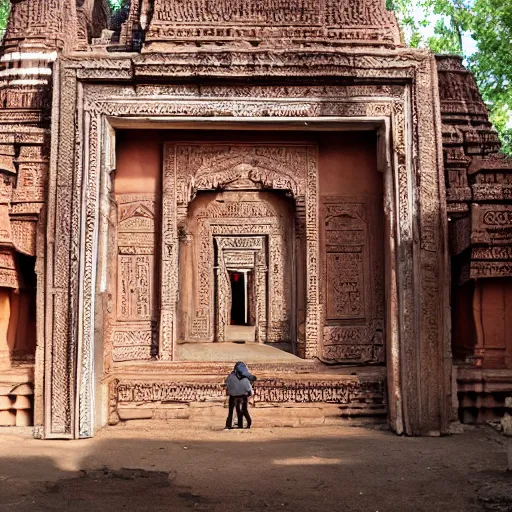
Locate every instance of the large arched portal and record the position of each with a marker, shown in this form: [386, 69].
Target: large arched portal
[238, 274]
[249, 211]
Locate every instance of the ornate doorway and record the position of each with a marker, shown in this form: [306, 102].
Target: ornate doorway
[242, 207]
[238, 231]
[241, 289]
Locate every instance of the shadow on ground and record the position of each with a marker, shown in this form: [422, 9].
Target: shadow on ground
[156, 468]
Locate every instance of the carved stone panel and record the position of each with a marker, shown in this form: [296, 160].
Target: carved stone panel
[282, 23]
[133, 334]
[491, 224]
[285, 390]
[353, 294]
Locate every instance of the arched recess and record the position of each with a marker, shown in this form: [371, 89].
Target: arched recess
[233, 229]
[189, 168]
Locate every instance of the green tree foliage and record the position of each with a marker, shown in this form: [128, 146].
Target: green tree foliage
[5, 6]
[115, 4]
[492, 63]
[480, 31]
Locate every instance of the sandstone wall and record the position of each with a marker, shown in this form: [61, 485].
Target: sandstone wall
[479, 204]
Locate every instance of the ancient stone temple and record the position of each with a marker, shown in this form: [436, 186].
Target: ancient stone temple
[188, 183]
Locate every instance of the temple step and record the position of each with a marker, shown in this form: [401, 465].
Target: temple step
[268, 416]
[287, 400]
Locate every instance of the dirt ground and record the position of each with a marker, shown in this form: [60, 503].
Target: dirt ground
[162, 467]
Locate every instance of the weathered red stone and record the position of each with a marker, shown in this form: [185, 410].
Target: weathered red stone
[304, 149]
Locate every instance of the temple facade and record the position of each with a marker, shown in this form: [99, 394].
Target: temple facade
[186, 184]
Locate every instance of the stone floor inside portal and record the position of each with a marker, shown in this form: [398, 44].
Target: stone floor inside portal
[157, 467]
[233, 352]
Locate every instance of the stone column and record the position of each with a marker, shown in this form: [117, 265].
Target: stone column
[300, 252]
[169, 259]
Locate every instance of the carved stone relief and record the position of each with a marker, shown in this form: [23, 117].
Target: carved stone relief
[276, 391]
[132, 334]
[353, 277]
[267, 22]
[238, 170]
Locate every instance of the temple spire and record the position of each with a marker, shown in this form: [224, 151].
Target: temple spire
[168, 24]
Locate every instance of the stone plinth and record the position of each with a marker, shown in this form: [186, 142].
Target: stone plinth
[284, 394]
[16, 397]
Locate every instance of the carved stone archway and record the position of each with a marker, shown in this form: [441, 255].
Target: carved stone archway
[189, 168]
[395, 91]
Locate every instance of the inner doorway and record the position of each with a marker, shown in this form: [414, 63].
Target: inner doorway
[236, 264]
[241, 326]
[241, 297]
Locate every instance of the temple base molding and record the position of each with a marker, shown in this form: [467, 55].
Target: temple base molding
[286, 395]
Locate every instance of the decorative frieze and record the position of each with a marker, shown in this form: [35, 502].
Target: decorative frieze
[276, 391]
[267, 23]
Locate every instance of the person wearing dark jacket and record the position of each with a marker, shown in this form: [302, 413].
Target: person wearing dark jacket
[239, 389]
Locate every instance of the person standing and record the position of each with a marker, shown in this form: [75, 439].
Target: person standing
[239, 389]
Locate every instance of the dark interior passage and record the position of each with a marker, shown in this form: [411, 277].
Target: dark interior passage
[238, 298]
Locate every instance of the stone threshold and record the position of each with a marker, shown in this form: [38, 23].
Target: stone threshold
[159, 369]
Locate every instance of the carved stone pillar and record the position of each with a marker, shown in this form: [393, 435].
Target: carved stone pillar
[260, 314]
[186, 278]
[307, 235]
[300, 258]
[169, 261]
[223, 293]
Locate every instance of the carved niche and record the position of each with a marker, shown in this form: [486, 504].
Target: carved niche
[241, 171]
[241, 219]
[353, 280]
[133, 334]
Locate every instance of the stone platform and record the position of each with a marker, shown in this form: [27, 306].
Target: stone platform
[292, 393]
[482, 393]
[232, 352]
